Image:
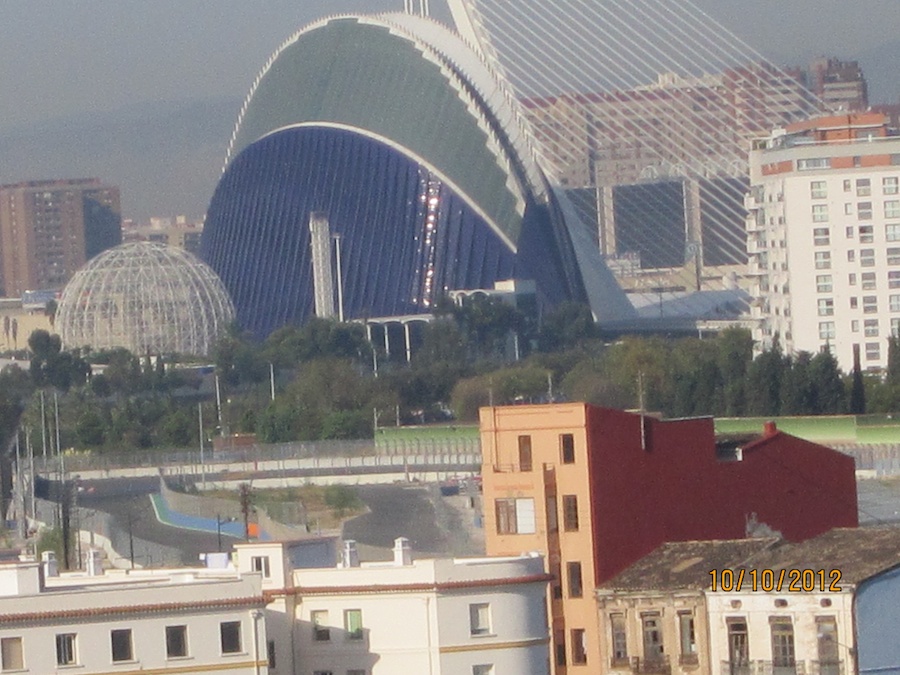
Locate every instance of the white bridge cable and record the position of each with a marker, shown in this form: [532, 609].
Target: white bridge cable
[689, 130]
[561, 72]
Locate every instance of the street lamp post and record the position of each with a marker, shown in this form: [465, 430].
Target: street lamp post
[219, 522]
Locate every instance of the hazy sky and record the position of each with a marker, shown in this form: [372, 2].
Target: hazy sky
[59, 57]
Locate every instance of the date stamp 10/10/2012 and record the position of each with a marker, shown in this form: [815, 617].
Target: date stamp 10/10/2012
[777, 581]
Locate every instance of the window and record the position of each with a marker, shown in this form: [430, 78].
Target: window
[738, 647]
[66, 653]
[579, 648]
[483, 669]
[353, 624]
[895, 327]
[870, 327]
[892, 208]
[827, 644]
[230, 637]
[567, 446]
[873, 351]
[11, 655]
[851, 256]
[867, 257]
[893, 256]
[552, 521]
[848, 185]
[270, 653]
[851, 279]
[319, 620]
[893, 279]
[813, 163]
[823, 283]
[869, 281]
[826, 330]
[480, 618]
[823, 260]
[556, 572]
[854, 325]
[821, 236]
[848, 209]
[863, 187]
[176, 642]
[524, 453]
[849, 231]
[515, 516]
[894, 303]
[653, 642]
[820, 213]
[866, 234]
[892, 232]
[619, 639]
[573, 572]
[570, 513]
[889, 185]
[687, 637]
[120, 641]
[826, 307]
[864, 210]
[782, 642]
[818, 189]
[559, 639]
[260, 563]
[870, 304]
[323, 672]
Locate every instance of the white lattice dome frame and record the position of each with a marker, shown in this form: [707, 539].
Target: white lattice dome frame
[147, 298]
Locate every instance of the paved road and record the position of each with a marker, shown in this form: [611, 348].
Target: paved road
[396, 511]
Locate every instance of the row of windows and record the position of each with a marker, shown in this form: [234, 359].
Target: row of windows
[866, 258]
[353, 625]
[869, 304]
[864, 210]
[12, 653]
[566, 451]
[869, 281]
[822, 235]
[652, 638]
[818, 189]
[515, 515]
[781, 630]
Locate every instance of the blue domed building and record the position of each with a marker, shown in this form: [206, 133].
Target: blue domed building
[378, 164]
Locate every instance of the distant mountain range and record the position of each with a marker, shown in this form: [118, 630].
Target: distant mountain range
[167, 157]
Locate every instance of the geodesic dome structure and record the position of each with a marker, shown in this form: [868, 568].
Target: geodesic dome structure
[145, 297]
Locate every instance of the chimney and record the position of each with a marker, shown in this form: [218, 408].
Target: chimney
[94, 562]
[48, 563]
[769, 429]
[402, 552]
[350, 554]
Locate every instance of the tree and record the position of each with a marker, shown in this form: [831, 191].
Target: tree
[798, 395]
[566, 326]
[735, 354]
[764, 383]
[857, 391]
[827, 384]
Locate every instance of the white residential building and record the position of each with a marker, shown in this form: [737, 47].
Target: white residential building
[172, 621]
[824, 238]
[474, 616]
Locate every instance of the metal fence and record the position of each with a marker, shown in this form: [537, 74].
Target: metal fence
[276, 452]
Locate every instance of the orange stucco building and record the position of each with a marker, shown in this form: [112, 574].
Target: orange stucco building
[596, 489]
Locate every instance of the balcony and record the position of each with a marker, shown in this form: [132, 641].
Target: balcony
[835, 667]
[657, 666]
[764, 668]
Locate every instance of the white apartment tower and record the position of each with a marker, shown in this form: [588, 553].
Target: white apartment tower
[824, 238]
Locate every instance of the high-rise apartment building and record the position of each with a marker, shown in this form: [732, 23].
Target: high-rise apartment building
[595, 489]
[840, 85]
[48, 229]
[824, 238]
